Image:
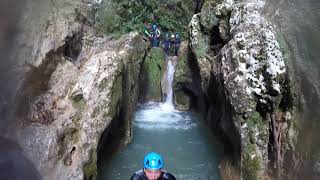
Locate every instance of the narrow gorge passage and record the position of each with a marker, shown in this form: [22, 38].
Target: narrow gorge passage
[188, 147]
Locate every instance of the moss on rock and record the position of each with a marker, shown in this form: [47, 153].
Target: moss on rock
[254, 146]
[202, 47]
[153, 69]
[250, 162]
[255, 119]
[182, 72]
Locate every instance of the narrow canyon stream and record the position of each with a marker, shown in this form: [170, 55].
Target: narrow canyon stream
[189, 149]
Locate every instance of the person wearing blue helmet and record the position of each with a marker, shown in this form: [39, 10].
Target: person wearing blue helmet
[172, 44]
[166, 43]
[155, 35]
[177, 41]
[153, 169]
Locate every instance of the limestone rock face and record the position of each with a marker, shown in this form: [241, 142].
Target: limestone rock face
[244, 81]
[70, 85]
[46, 25]
[182, 79]
[42, 27]
[81, 102]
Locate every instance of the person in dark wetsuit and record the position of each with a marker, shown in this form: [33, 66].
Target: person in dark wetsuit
[155, 33]
[172, 44]
[166, 43]
[152, 170]
[177, 42]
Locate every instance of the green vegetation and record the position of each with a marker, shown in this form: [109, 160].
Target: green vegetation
[250, 163]
[201, 48]
[256, 121]
[120, 17]
[254, 118]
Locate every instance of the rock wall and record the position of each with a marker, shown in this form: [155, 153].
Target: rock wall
[245, 91]
[41, 27]
[71, 86]
[65, 121]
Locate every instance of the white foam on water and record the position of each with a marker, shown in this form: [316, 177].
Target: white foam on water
[162, 116]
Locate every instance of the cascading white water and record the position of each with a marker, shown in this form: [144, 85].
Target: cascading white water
[170, 74]
[168, 105]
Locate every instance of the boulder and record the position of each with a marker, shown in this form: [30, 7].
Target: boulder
[243, 76]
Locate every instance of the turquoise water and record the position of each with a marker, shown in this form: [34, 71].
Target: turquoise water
[188, 148]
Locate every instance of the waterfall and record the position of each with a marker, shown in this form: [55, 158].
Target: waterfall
[168, 105]
[170, 74]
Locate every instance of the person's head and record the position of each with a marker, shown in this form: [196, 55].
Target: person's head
[166, 35]
[154, 26]
[172, 36]
[177, 35]
[153, 164]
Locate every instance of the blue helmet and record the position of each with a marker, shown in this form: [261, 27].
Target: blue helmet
[154, 26]
[153, 161]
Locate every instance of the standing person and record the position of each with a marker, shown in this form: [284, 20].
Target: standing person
[198, 6]
[147, 31]
[177, 43]
[172, 44]
[153, 169]
[166, 43]
[155, 36]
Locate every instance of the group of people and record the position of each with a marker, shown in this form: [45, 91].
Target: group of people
[170, 45]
